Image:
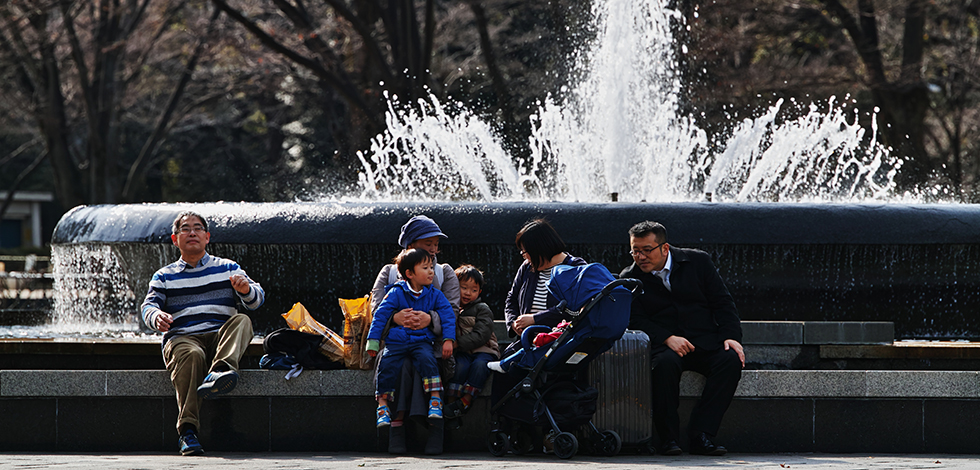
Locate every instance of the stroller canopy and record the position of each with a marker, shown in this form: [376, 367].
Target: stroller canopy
[576, 285]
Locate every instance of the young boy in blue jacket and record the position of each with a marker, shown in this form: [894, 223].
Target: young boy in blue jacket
[413, 293]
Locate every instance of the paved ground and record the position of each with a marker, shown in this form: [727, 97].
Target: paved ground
[265, 461]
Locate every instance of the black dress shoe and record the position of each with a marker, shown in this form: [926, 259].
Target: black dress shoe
[701, 445]
[670, 448]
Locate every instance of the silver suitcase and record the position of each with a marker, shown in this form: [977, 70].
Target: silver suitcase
[622, 377]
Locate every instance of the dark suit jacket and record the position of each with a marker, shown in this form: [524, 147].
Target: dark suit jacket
[698, 306]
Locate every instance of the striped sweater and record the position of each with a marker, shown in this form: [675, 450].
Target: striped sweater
[200, 298]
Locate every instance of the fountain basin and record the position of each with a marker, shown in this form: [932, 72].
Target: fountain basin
[914, 265]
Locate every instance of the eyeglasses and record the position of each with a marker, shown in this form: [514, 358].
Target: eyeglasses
[196, 228]
[645, 251]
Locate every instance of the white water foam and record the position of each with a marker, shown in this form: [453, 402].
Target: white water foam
[92, 296]
[620, 129]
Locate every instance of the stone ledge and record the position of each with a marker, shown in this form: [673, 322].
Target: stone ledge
[846, 384]
[355, 383]
[830, 332]
[149, 346]
[903, 350]
[156, 383]
[793, 332]
[772, 332]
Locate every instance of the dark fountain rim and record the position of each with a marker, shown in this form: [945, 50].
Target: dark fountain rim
[688, 223]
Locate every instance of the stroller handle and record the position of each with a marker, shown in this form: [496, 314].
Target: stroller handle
[632, 284]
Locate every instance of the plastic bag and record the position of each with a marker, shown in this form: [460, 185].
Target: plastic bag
[357, 323]
[332, 345]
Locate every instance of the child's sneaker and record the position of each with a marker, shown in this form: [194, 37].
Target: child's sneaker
[435, 408]
[384, 416]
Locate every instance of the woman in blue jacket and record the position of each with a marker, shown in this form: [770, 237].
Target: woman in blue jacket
[528, 302]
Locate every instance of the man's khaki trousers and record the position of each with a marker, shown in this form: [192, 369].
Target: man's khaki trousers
[189, 358]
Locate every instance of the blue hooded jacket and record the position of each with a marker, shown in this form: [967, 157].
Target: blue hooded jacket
[399, 297]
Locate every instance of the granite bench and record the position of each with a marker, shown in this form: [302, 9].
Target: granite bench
[774, 411]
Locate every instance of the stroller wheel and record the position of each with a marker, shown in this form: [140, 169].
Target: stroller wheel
[521, 442]
[566, 445]
[499, 443]
[609, 443]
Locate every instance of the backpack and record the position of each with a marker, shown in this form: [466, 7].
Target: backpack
[302, 348]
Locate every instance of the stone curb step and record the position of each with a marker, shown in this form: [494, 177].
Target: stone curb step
[353, 383]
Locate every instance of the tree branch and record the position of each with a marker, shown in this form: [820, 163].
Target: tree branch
[373, 48]
[138, 168]
[15, 46]
[496, 77]
[20, 179]
[912, 42]
[19, 150]
[865, 40]
[350, 96]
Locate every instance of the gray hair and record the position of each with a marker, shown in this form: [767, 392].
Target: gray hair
[185, 214]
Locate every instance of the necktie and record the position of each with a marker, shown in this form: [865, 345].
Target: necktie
[662, 274]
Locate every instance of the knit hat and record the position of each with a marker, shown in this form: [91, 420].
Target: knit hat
[417, 228]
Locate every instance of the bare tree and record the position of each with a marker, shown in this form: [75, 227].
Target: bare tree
[902, 96]
[361, 51]
[78, 66]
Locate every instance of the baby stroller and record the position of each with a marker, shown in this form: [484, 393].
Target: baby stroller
[599, 307]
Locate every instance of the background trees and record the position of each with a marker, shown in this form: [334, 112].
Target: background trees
[83, 79]
[107, 101]
[915, 61]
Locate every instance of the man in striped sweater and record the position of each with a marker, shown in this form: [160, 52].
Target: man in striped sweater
[193, 301]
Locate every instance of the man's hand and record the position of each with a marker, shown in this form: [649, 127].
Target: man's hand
[447, 349]
[732, 344]
[523, 322]
[681, 345]
[163, 321]
[240, 284]
[372, 353]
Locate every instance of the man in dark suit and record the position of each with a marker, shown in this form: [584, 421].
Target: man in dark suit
[692, 322]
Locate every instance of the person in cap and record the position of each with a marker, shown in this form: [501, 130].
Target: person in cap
[420, 232]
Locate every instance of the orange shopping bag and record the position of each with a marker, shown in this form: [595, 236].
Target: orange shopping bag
[357, 323]
[332, 346]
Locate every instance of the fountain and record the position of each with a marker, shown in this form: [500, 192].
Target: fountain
[620, 129]
[798, 212]
[804, 222]
[911, 264]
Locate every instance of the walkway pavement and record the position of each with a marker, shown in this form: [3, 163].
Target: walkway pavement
[265, 461]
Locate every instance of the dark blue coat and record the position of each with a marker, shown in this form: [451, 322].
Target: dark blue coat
[399, 297]
[521, 296]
